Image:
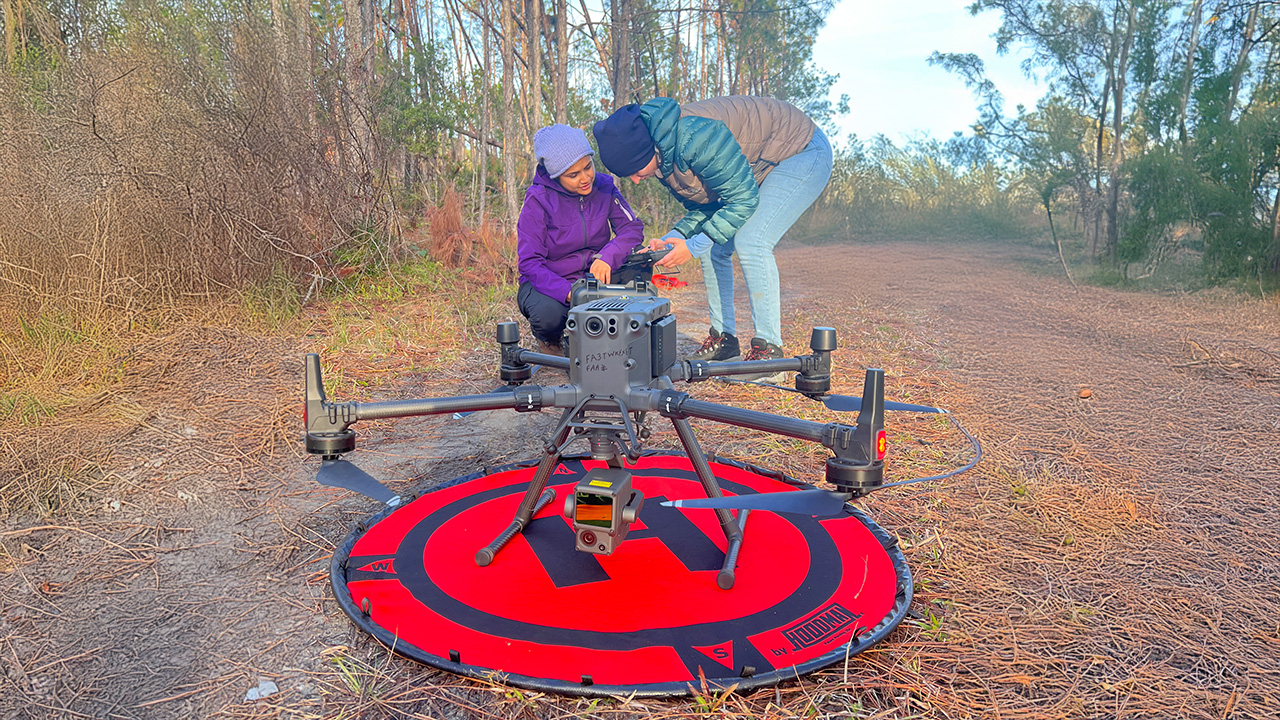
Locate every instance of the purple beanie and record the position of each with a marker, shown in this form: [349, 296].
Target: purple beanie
[625, 143]
[558, 147]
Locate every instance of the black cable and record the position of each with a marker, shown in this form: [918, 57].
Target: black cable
[977, 455]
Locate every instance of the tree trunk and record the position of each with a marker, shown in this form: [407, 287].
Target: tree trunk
[533, 46]
[562, 61]
[1197, 10]
[353, 34]
[508, 108]
[620, 50]
[483, 150]
[9, 24]
[1275, 233]
[1117, 136]
[1246, 45]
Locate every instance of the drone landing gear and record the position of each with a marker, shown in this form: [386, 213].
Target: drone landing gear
[534, 500]
[537, 496]
[733, 529]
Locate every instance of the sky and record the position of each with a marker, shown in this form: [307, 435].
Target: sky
[880, 50]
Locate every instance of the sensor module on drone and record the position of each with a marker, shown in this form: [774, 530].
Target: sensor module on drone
[655, 570]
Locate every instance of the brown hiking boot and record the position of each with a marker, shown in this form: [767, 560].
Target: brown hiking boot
[762, 350]
[718, 347]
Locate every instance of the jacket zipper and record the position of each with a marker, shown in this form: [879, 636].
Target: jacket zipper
[582, 213]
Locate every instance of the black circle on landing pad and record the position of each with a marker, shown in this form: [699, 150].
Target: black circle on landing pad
[649, 619]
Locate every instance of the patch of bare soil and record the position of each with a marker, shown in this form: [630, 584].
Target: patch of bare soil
[1116, 555]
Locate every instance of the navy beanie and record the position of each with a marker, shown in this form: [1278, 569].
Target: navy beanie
[624, 141]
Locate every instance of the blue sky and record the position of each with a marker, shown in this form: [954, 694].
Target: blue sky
[880, 50]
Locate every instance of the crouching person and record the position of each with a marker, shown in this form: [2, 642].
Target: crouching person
[574, 223]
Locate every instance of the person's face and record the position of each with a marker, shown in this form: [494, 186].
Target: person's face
[647, 171]
[580, 177]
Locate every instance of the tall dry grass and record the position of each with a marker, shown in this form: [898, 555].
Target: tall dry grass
[172, 168]
[487, 253]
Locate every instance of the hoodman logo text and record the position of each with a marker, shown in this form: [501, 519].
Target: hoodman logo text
[829, 621]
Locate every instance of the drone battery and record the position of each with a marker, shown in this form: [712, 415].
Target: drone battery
[662, 335]
[602, 508]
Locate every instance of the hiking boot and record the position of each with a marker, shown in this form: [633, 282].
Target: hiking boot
[762, 350]
[718, 347]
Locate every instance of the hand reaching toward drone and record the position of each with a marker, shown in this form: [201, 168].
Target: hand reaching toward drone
[601, 270]
[679, 251]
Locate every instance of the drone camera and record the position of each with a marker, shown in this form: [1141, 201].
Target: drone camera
[602, 508]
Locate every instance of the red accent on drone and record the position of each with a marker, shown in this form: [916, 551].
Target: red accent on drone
[882, 444]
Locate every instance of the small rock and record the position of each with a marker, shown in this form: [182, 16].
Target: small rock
[265, 689]
[1084, 393]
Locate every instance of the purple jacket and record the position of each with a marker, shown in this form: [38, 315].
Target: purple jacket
[560, 233]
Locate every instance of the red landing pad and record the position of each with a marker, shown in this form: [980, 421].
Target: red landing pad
[648, 619]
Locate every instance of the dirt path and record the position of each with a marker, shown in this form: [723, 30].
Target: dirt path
[1115, 556]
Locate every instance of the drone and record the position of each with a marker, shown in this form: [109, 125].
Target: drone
[622, 372]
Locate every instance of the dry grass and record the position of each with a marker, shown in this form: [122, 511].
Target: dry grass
[1113, 557]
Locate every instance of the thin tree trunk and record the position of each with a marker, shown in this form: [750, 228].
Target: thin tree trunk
[677, 73]
[1049, 212]
[508, 108]
[620, 46]
[533, 44]
[1197, 10]
[353, 35]
[483, 150]
[562, 61]
[9, 46]
[1117, 136]
[1246, 45]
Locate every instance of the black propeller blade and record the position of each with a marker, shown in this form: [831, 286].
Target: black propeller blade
[340, 473]
[803, 502]
[848, 403]
[839, 403]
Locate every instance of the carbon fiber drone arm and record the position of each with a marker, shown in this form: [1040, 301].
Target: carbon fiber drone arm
[813, 371]
[328, 423]
[836, 437]
[857, 466]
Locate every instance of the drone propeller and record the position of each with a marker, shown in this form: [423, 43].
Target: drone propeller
[803, 502]
[839, 403]
[848, 403]
[342, 474]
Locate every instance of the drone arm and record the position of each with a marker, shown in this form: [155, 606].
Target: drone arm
[814, 370]
[671, 403]
[856, 468]
[328, 423]
[535, 358]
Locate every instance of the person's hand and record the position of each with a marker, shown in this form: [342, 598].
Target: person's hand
[601, 270]
[679, 254]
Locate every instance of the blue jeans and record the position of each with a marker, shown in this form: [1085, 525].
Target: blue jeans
[785, 194]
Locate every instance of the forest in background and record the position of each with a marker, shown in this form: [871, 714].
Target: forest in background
[154, 151]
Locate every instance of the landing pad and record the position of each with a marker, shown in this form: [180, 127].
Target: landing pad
[648, 620]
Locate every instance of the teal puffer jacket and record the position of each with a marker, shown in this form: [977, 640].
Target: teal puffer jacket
[703, 165]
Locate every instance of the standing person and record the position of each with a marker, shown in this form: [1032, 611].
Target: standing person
[745, 168]
[573, 222]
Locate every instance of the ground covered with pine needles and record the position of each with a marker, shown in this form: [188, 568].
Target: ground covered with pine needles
[163, 547]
